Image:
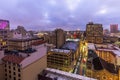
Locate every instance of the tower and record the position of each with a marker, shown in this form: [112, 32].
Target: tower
[4, 33]
[94, 33]
[59, 38]
[114, 28]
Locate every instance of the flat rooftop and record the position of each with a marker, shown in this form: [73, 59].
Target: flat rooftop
[91, 46]
[60, 50]
[111, 48]
[62, 75]
[70, 45]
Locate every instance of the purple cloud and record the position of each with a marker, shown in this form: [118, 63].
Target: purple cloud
[49, 14]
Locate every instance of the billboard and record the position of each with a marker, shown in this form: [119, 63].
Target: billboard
[4, 24]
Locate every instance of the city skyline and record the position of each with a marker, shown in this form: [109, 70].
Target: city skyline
[65, 14]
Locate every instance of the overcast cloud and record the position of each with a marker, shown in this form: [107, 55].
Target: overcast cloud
[66, 14]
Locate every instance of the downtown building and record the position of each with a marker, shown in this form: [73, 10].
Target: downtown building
[4, 33]
[60, 59]
[22, 44]
[65, 58]
[24, 65]
[114, 28]
[57, 38]
[103, 62]
[94, 33]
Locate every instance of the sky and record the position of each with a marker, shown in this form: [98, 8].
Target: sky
[65, 14]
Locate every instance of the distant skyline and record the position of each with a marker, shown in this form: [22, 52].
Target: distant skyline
[65, 14]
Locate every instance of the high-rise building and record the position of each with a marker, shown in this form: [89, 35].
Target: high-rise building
[114, 28]
[57, 38]
[4, 33]
[94, 33]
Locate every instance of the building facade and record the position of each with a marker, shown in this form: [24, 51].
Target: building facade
[60, 59]
[57, 38]
[21, 67]
[4, 33]
[102, 70]
[94, 33]
[108, 56]
[2, 77]
[19, 44]
[114, 28]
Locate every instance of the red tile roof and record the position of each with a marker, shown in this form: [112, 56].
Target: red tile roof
[13, 59]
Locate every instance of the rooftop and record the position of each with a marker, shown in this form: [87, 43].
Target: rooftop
[13, 59]
[26, 59]
[70, 45]
[61, 75]
[91, 46]
[100, 64]
[60, 50]
[109, 47]
[38, 42]
[115, 51]
[25, 39]
[75, 40]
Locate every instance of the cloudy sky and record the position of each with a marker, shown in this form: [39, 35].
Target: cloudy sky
[65, 14]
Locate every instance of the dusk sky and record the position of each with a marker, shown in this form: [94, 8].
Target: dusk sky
[65, 14]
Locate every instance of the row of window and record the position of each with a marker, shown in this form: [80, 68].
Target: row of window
[13, 74]
[13, 69]
[12, 64]
[13, 78]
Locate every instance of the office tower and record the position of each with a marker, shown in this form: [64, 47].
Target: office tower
[114, 28]
[4, 33]
[57, 38]
[94, 33]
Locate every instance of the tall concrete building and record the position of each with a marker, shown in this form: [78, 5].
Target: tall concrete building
[94, 33]
[57, 38]
[114, 28]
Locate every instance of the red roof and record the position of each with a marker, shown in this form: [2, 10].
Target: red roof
[13, 59]
[38, 42]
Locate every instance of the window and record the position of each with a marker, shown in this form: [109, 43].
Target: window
[9, 71]
[18, 70]
[5, 70]
[9, 67]
[13, 68]
[19, 75]
[9, 76]
[14, 73]
[5, 74]
[5, 65]
[14, 78]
